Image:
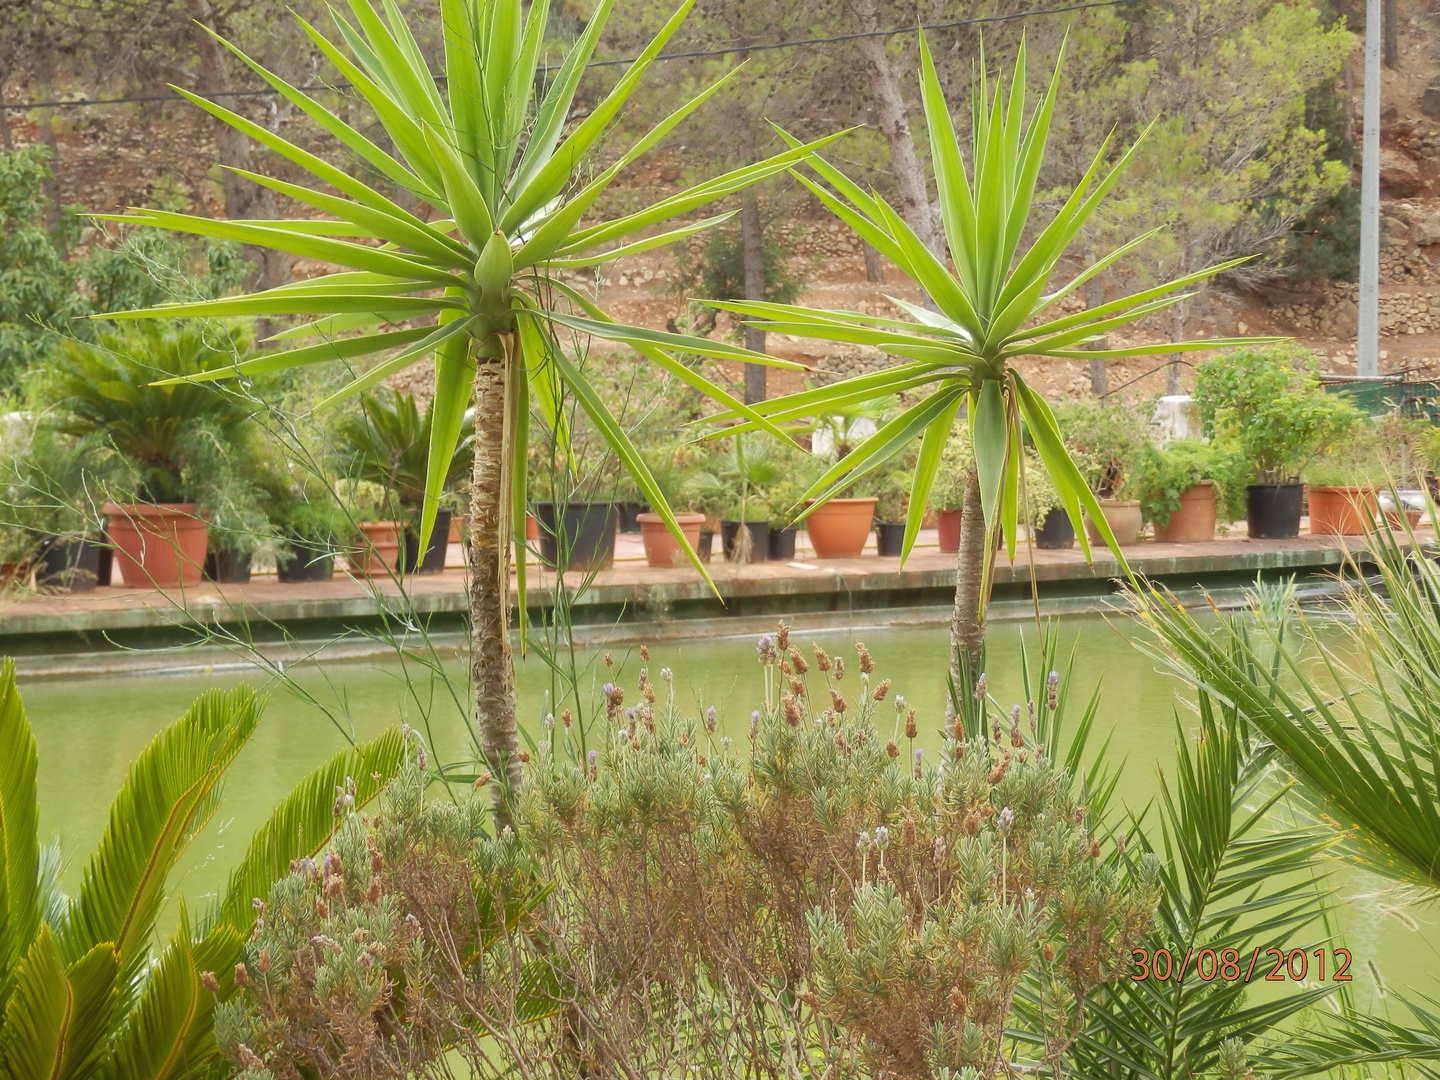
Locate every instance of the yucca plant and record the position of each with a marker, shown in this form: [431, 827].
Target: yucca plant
[991, 307]
[506, 174]
[85, 988]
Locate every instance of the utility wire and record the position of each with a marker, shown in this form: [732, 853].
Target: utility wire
[697, 55]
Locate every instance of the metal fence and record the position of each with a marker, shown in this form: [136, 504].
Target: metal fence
[1414, 399]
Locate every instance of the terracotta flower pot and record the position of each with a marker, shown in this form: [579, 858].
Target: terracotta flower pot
[378, 554]
[948, 524]
[158, 544]
[1341, 511]
[1194, 522]
[1124, 518]
[839, 528]
[1396, 519]
[661, 549]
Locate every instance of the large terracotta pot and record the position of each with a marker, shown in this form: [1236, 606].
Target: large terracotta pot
[378, 554]
[839, 528]
[661, 548]
[948, 525]
[1124, 518]
[160, 544]
[1341, 511]
[1194, 522]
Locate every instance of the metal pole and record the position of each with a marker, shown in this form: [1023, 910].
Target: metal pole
[1368, 345]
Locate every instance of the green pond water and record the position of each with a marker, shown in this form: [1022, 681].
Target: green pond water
[89, 730]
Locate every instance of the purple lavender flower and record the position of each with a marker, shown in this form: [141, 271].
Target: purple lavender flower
[608, 689]
[1052, 691]
[882, 837]
[710, 719]
[592, 756]
[1005, 821]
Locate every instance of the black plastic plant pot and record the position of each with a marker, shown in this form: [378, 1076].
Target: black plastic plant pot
[889, 538]
[68, 562]
[1056, 532]
[782, 544]
[105, 562]
[706, 545]
[434, 559]
[584, 534]
[1272, 511]
[630, 516]
[759, 539]
[227, 568]
[309, 560]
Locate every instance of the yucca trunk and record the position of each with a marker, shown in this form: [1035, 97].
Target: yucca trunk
[967, 628]
[491, 665]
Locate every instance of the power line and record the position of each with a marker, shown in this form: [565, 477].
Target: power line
[696, 55]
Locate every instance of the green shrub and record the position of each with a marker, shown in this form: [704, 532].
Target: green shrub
[671, 903]
[1160, 476]
[1104, 441]
[1270, 403]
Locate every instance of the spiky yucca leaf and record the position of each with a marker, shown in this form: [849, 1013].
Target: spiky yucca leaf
[492, 157]
[992, 308]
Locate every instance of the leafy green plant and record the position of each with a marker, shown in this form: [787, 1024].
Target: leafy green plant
[718, 270]
[505, 181]
[952, 475]
[387, 442]
[1104, 441]
[86, 988]
[1375, 451]
[1159, 476]
[1270, 403]
[108, 392]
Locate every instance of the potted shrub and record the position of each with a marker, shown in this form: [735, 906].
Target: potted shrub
[1343, 484]
[840, 524]
[785, 498]
[56, 541]
[230, 485]
[1050, 526]
[1269, 404]
[661, 548]
[386, 441]
[374, 539]
[948, 493]
[737, 484]
[892, 494]
[1184, 488]
[1104, 441]
[160, 533]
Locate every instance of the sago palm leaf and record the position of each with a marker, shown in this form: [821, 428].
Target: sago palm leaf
[20, 912]
[992, 307]
[171, 791]
[305, 820]
[57, 1022]
[499, 167]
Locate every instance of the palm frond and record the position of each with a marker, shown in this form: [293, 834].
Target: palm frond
[19, 832]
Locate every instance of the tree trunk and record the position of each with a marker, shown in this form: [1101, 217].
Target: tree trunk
[967, 628]
[911, 189]
[874, 267]
[1177, 333]
[243, 198]
[491, 666]
[752, 239]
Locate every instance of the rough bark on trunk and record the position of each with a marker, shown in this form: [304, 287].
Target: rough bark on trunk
[491, 666]
[911, 189]
[1177, 333]
[967, 628]
[874, 267]
[243, 198]
[752, 240]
